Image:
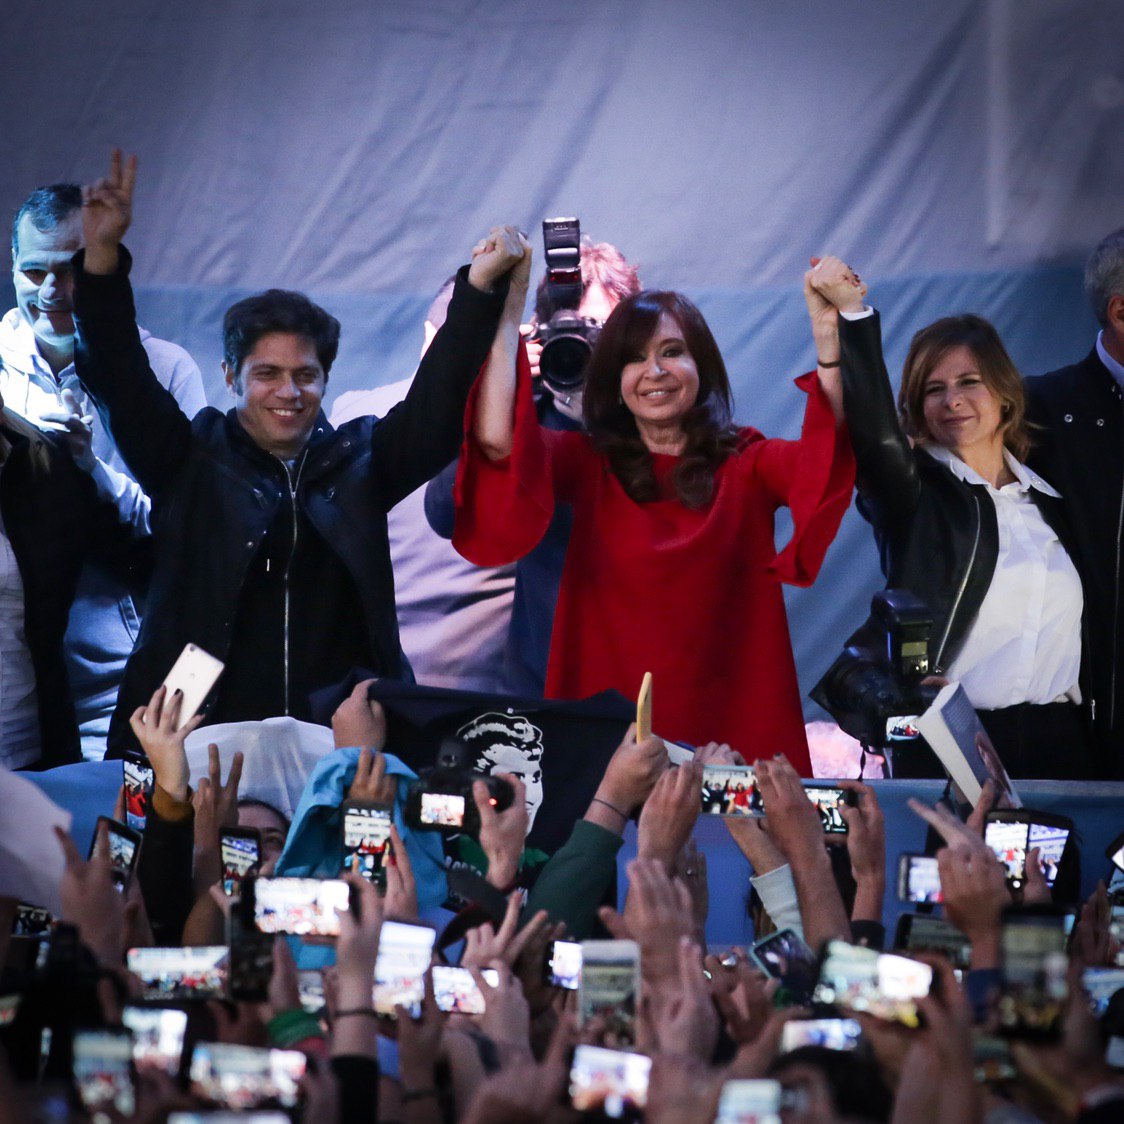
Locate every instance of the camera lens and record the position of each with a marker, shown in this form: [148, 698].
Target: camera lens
[563, 361]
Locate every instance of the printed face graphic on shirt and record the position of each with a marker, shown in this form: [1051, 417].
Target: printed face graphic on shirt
[508, 743]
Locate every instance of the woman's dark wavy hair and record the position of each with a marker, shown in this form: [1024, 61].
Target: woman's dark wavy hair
[708, 426]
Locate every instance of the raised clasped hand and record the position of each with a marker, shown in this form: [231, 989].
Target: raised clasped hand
[504, 249]
[835, 282]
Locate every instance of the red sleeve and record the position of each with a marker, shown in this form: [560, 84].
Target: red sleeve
[503, 508]
[814, 478]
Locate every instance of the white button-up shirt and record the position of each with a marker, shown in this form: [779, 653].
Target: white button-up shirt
[1025, 643]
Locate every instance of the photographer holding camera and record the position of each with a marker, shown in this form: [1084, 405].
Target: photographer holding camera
[584, 282]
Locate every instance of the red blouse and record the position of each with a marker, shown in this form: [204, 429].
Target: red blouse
[694, 596]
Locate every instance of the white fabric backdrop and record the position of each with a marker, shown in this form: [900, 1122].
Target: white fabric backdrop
[961, 153]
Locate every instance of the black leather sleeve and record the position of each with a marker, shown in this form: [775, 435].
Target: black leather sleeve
[886, 475]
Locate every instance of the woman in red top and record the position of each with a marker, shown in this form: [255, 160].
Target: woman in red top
[671, 566]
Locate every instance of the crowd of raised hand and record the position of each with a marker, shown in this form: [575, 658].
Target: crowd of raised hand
[703, 1021]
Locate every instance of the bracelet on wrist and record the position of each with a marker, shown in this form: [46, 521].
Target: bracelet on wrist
[368, 1011]
[611, 807]
[834, 363]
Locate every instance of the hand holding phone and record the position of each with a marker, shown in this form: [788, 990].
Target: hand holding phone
[240, 850]
[124, 849]
[193, 674]
[854, 978]
[919, 879]
[300, 907]
[139, 779]
[611, 1082]
[1013, 832]
[563, 965]
[366, 839]
[1033, 996]
[610, 988]
[103, 1071]
[403, 959]
[730, 790]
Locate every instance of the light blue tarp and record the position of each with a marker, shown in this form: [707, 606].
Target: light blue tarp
[962, 154]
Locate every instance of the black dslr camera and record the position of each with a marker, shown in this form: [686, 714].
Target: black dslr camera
[567, 339]
[441, 797]
[874, 688]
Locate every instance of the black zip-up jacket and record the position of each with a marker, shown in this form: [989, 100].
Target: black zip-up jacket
[54, 520]
[937, 536]
[219, 502]
[1080, 450]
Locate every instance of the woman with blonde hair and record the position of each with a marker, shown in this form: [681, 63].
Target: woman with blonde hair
[963, 524]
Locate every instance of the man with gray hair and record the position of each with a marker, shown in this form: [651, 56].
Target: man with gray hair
[1080, 450]
[39, 382]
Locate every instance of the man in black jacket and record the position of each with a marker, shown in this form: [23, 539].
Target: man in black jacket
[269, 525]
[1080, 450]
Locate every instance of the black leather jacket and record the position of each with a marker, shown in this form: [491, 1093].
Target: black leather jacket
[937, 535]
[216, 495]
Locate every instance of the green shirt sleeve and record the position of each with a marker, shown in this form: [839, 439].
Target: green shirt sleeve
[572, 884]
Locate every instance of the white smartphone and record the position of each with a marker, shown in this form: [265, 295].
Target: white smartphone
[194, 673]
[403, 959]
[158, 1034]
[610, 988]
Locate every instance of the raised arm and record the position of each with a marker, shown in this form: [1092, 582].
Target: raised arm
[421, 436]
[885, 472]
[145, 420]
[494, 424]
[831, 287]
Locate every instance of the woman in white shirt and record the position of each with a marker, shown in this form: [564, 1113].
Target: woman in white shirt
[962, 523]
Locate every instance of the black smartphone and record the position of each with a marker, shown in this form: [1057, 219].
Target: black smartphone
[180, 973]
[140, 780]
[921, 932]
[103, 1071]
[854, 978]
[366, 839]
[158, 1034]
[562, 965]
[831, 1034]
[472, 888]
[251, 955]
[124, 850]
[1012, 832]
[756, 1101]
[730, 790]
[919, 879]
[30, 921]
[610, 1083]
[1101, 984]
[993, 1062]
[456, 991]
[240, 849]
[240, 1077]
[403, 959]
[829, 799]
[301, 907]
[1033, 995]
[784, 956]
